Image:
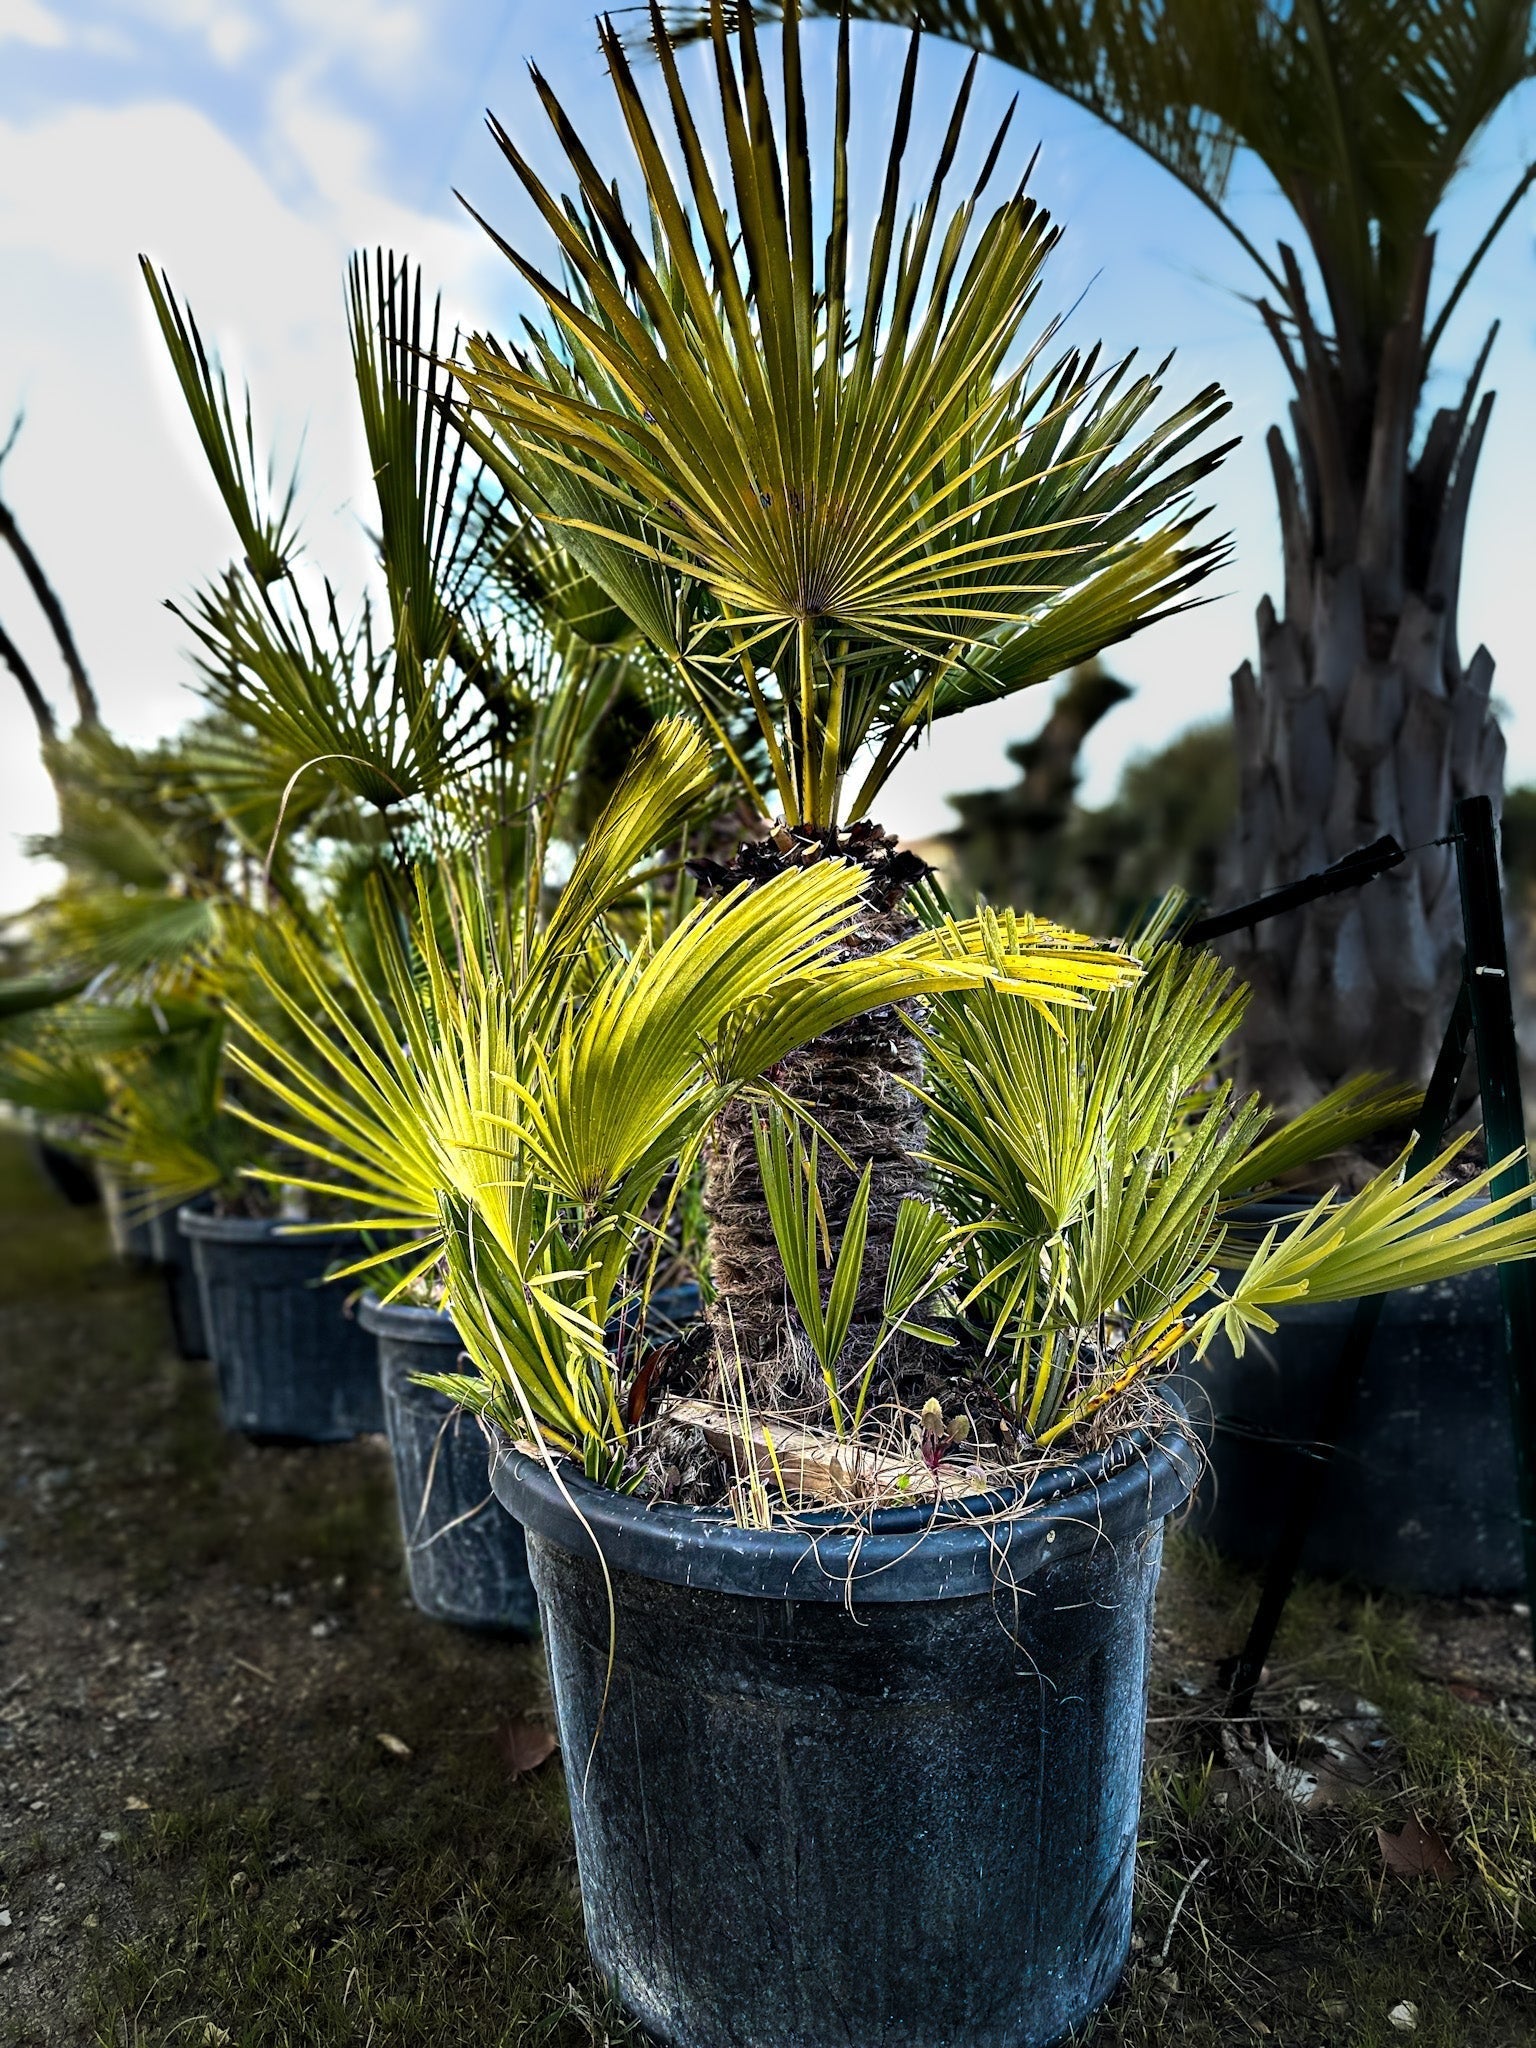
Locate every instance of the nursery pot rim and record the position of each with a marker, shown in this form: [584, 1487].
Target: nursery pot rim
[203, 1223]
[965, 1548]
[409, 1320]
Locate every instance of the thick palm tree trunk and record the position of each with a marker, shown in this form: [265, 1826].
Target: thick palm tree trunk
[855, 1082]
[1361, 719]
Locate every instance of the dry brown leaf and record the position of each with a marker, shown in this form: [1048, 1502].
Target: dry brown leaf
[393, 1744]
[524, 1745]
[1415, 1851]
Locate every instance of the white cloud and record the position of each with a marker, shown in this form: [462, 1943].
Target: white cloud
[229, 31]
[107, 477]
[28, 21]
[379, 37]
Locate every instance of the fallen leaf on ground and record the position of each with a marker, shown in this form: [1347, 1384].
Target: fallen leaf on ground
[524, 1745]
[1415, 1851]
[1404, 2017]
[393, 1744]
[134, 1804]
[1261, 1766]
[1464, 1689]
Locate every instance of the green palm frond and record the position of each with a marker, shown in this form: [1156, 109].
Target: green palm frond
[820, 488]
[263, 518]
[166, 1133]
[23, 996]
[302, 693]
[131, 934]
[1401, 1230]
[1091, 1160]
[1357, 1109]
[51, 1080]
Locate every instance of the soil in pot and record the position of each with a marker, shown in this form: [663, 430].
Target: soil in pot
[293, 1363]
[466, 1560]
[855, 1787]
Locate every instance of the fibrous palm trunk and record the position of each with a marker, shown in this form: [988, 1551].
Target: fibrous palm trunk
[1362, 719]
[855, 1082]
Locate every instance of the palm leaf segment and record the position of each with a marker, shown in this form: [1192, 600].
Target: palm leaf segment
[519, 1111]
[850, 497]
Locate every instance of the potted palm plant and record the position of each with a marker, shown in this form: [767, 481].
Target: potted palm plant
[158, 911]
[848, 1648]
[815, 1654]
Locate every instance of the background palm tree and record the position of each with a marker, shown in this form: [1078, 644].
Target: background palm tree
[1362, 717]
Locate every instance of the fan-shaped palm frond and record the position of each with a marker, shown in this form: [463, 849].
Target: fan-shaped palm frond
[166, 1133]
[820, 489]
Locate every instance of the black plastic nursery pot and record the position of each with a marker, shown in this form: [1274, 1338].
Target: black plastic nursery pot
[172, 1253]
[878, 1786]
[72, 1178]
[467, 1561]
[293, 1365]
[1422, 1494]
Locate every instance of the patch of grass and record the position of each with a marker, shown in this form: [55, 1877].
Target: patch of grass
[410, 1903]
[1258, 1920]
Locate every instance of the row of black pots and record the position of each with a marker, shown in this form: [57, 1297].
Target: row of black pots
[466, 1560]
[827, 1786]
[292, 1366]
[295, 1365]
[1420, 1502]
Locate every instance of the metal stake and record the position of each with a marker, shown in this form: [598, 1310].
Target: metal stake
[1498, 1073]
[1343, 1386]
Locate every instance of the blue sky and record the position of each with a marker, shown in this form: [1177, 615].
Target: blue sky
[249, 145]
